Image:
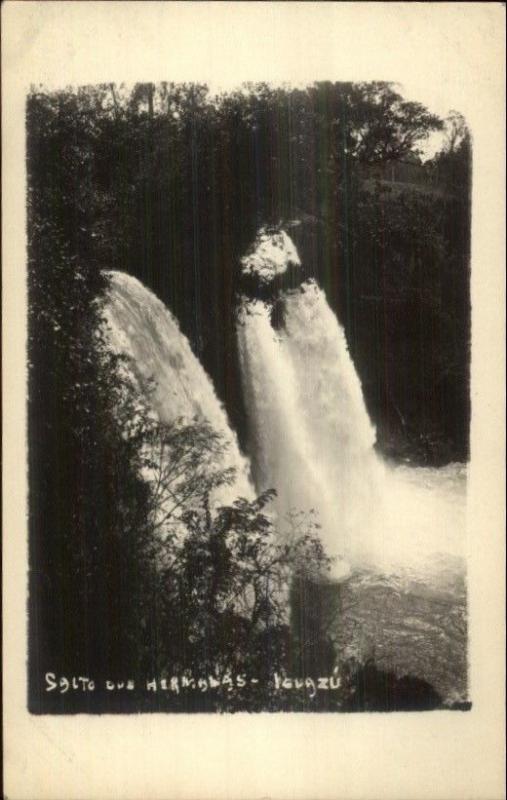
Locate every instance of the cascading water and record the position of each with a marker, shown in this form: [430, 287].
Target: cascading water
[312, 439]
[141, 327]
[396, 533]
[335, 417]
[311, 436]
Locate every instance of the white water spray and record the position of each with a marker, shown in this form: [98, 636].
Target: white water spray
[310, 435]
[270, 255]
[141, 327]
[397, 532]
[312, 439]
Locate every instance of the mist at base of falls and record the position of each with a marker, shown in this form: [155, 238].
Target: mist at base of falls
[311, 438]
[396, 533]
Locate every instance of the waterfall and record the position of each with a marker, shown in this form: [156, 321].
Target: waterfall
[335, 417]
[311, 437]
[282, 451]
[141, 327]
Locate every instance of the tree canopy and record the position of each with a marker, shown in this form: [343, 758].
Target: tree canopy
[170, 183]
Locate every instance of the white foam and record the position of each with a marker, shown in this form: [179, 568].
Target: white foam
[271, 254]
[141, 327]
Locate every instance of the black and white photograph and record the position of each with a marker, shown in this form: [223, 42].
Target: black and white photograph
[258, 436]
[249, 350]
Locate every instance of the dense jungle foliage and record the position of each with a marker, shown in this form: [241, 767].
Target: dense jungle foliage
[169, 183]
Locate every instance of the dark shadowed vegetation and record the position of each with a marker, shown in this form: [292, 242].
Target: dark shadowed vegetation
[170, 184]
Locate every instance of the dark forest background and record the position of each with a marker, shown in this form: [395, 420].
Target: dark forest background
[170, 184]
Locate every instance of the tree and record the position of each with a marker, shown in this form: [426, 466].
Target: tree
[383, 126]
[456, 131]
[452, 163]
[170, 184]
[217, 599]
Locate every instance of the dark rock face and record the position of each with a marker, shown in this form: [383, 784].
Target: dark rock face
[369, 688]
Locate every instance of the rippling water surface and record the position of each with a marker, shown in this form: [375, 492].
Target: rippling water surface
[412, 619]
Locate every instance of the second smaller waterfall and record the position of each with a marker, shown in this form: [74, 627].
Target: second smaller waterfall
[311, 437]
[312, 440]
